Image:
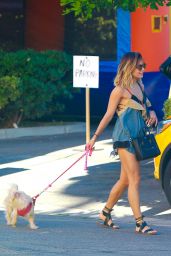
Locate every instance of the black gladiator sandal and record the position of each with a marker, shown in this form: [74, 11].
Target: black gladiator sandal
[143, 228]
[108, 219]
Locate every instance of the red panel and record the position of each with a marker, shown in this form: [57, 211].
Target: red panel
[44, 25]
[154, 46]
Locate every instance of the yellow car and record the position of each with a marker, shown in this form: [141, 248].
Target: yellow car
[162, 163]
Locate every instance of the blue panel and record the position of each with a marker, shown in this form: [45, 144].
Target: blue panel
[156, 86]
[123, 41]
[123, 33]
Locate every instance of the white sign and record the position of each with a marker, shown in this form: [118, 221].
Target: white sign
[86, 71]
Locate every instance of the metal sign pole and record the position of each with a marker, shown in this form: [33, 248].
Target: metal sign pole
[87, 115]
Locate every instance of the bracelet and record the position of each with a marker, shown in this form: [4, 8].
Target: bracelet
[95, 135]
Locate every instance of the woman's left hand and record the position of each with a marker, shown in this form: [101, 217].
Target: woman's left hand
[152, 120]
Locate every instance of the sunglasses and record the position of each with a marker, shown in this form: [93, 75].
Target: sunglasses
[141, 66]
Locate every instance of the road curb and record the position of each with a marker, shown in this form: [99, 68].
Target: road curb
[10, 133]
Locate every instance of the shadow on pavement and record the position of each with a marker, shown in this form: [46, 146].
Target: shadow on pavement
[7, 171]
[96, 186]
[28, 147]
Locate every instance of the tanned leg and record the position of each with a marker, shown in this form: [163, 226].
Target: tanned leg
[115, 193]
[132, 169]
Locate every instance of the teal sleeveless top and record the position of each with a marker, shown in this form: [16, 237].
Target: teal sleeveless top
[130, 122]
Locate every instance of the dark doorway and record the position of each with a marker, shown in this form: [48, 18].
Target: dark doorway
[11, 25]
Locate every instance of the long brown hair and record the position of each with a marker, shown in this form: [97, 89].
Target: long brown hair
[127, 65]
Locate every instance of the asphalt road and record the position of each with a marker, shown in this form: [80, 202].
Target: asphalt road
[67, 213]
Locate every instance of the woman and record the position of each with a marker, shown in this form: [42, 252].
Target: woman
[127, 100]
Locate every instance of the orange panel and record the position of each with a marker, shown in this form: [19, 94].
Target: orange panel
[150, 35]
[44, 25]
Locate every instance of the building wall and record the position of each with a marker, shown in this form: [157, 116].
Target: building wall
[153, 44]
[44, 25]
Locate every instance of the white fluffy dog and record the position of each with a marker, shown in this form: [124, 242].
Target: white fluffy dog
[17, 203]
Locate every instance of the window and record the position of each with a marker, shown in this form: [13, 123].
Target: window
[156, 23]
[93, 37]
[11, 24]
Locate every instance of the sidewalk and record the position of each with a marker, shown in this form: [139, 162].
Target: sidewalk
[41, 131]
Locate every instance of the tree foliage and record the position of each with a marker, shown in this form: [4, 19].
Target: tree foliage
[96, 36]
[33, 84]
[85, 8]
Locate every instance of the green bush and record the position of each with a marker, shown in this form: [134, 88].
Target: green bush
[167, 108]
[8, 90]
[33, 84]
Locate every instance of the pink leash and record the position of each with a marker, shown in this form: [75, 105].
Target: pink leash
[87, 153]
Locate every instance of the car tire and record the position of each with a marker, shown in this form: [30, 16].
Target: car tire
[167, 182]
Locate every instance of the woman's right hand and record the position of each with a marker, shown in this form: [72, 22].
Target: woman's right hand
[90, 144]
